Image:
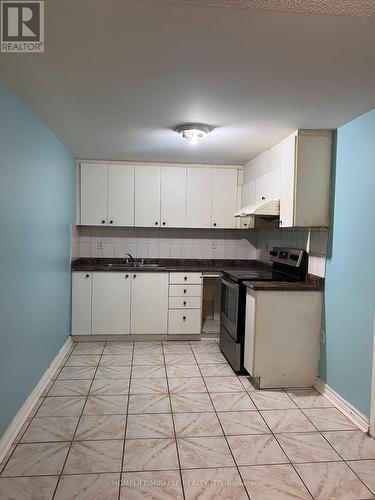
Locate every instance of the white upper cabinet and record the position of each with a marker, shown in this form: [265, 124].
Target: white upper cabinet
[121, 195]
[173, 197]
[224, 197]
[198, 205]
[111, 303]
[94, 194]
[149, 304]
[147, 196]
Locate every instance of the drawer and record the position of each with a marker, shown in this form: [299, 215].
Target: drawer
[185, 302]
[185, 290]
[188, 278]
[184, 322]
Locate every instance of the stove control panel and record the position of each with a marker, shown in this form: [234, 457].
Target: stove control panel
[289, 256]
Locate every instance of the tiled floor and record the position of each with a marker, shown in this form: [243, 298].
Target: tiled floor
[156, 420]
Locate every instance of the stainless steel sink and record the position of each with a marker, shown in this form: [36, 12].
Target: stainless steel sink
[133, 265]
[145, 266]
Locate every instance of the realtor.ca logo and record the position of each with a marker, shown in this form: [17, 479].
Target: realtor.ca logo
[22, 26]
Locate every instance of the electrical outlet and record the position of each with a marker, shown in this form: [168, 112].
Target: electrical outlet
[322, 336]
[100, 245]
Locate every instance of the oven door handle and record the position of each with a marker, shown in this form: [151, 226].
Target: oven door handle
[230, 284]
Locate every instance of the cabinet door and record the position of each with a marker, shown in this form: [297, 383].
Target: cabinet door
[147, 196]
[287, 181]
[261, 188]
[149, 304]
[93, 193]
[111, 303]
[81, 303]
[120, 195]
[224, 197]
[198, 204]
[275, 159]
[173, 196]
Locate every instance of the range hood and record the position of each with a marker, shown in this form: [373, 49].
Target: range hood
[267, 207]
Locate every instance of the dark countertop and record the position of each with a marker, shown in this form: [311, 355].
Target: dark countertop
[311, 284]
[90, 264]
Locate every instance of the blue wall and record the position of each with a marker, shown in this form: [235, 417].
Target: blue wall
[37, 200]
[346, 360]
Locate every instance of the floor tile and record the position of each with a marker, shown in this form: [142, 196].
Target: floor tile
[88, 487]
[118, 348]
[197, 424]
[329, 419]
[49, 429]
[150, 454]
[218, 370]
[83, 360]
[176, 348]
[352, 445]
[116, 360]
[271, 400]
[287, 421]
[245, 381]
[99, 427]
[271, 482]
[309, 398]
[89, 348]
[213, 484]
[148, 386]
[242, 422]
[365, 470]
[147, 359]
[37, 459]
[109, 387]
[256, 450]
[183, 371]
[70, 388]
[94, 456]
[27, 488]
[232, 401]
[156, 403]
[155, 485]
[307, 447]
[205, 348]
[77, 373]
[149, 426]
[332, 481]
[179, 359]
[148, 372]
[208, 358]
[187, 403]
[148, 348]
[105, 405]
[109, 372]
[201, 452]
[191, 385]
[223, 384]
[61, 406]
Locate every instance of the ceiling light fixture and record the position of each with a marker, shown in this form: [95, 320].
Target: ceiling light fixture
[193, 131]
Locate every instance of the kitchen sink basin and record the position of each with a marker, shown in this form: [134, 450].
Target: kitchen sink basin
[132, 265]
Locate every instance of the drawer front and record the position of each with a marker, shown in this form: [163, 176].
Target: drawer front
[184, 322]
[188, 278]
[185, 302]
[185, 290]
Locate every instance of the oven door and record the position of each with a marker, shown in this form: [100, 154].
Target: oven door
[230, 294]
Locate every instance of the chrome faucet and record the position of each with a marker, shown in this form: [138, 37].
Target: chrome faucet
[132, 259]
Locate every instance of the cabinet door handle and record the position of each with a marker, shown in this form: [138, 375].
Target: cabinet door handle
[87, 276]
[126, 276]
[156, 223]
[280, 222]
[185, 278]
[214, 224]
[111, 221]
[103, 221]
[184, 303]
[184, 318]
[163, 223]
[134, 276]
[263, 197]
[185, 291]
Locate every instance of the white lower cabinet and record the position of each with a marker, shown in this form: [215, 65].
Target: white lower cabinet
[81, 303]
[149, 303]
[111, 303]
[185, 322]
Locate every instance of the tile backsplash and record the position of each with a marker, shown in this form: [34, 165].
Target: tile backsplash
[90, 241]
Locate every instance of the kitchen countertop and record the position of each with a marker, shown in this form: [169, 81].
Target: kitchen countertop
[311, 284]
[91, 264]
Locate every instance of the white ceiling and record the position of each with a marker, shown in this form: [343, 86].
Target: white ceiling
[118, 75]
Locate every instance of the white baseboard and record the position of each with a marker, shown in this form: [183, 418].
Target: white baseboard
[25, 410]
[351, 413]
